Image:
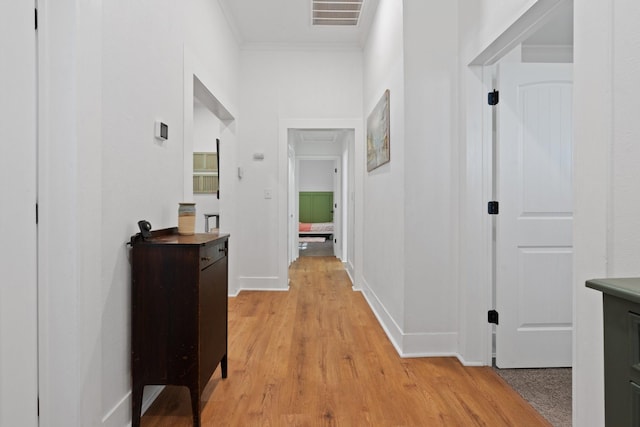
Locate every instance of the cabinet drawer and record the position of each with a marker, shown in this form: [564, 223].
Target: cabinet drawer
[212, 253]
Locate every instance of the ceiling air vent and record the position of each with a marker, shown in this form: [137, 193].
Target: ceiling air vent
[336, 12]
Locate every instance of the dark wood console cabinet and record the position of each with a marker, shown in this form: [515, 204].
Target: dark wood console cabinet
[178, 313]
[621, 310]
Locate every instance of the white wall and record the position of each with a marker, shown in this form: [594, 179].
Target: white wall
[18, 265]
[206, 128]
[606, 51]
[70, 227]
[314, 149]
[481, 22]
[315, 175]
[430, 177]
[142, 176]
[411, 210]
[278, 86]
[207, 36]
[125, 61]
[384, 188]
[593, 184]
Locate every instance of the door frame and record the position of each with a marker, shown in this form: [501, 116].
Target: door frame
[19, 290]
[355, 175]
[292, 204]
[69, 243]
[478, 251]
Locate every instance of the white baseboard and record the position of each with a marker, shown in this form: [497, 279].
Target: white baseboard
[262, 290]
[471, 363]
[349, 267]
[350, 277]
[390, 327]
[262, 284]
[120, 414]
[428, 344]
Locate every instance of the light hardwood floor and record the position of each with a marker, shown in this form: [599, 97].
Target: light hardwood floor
[317, 356]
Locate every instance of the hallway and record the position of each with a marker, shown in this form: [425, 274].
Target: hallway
[316, 355]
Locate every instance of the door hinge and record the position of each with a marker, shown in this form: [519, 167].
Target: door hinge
[336, 170]
[492, 317]
[35, 18]
[38, 405]
[493, 208]
[493, 97]
[36, 214]
[335, 240]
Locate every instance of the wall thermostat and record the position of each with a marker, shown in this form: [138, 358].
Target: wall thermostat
[162, 131]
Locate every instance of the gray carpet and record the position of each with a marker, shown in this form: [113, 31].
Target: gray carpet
[547, 390]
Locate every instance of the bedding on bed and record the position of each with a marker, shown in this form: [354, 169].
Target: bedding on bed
[316, 227]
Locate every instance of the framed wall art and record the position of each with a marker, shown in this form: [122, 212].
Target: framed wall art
[378, 134]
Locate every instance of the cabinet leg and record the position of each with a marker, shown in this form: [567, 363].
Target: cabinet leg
[136, 404]
[195, 406]
[223, 366]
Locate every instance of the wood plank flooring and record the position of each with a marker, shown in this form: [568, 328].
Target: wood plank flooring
[317, 356]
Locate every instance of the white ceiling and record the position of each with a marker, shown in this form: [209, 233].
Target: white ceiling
[288, 22]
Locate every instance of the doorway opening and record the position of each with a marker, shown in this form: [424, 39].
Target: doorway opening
[319, 177]
[209, 129]
[531, 175]
[528, 171]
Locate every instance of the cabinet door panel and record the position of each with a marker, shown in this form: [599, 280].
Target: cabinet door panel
[635, 404]
[163, 323]
[213, 318]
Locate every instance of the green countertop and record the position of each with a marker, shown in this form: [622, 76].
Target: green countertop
[627, 288]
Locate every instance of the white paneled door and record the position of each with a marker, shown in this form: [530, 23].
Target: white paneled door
[534, 227]
[18, 262]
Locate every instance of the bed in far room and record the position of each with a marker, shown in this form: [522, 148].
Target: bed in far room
[315, 228]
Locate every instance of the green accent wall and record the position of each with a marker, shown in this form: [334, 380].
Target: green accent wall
[316, 206]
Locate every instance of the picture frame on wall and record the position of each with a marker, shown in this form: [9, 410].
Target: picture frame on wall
[378, 134]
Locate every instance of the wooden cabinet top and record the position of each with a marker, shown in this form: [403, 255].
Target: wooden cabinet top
[170, 236]
[625, 288]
